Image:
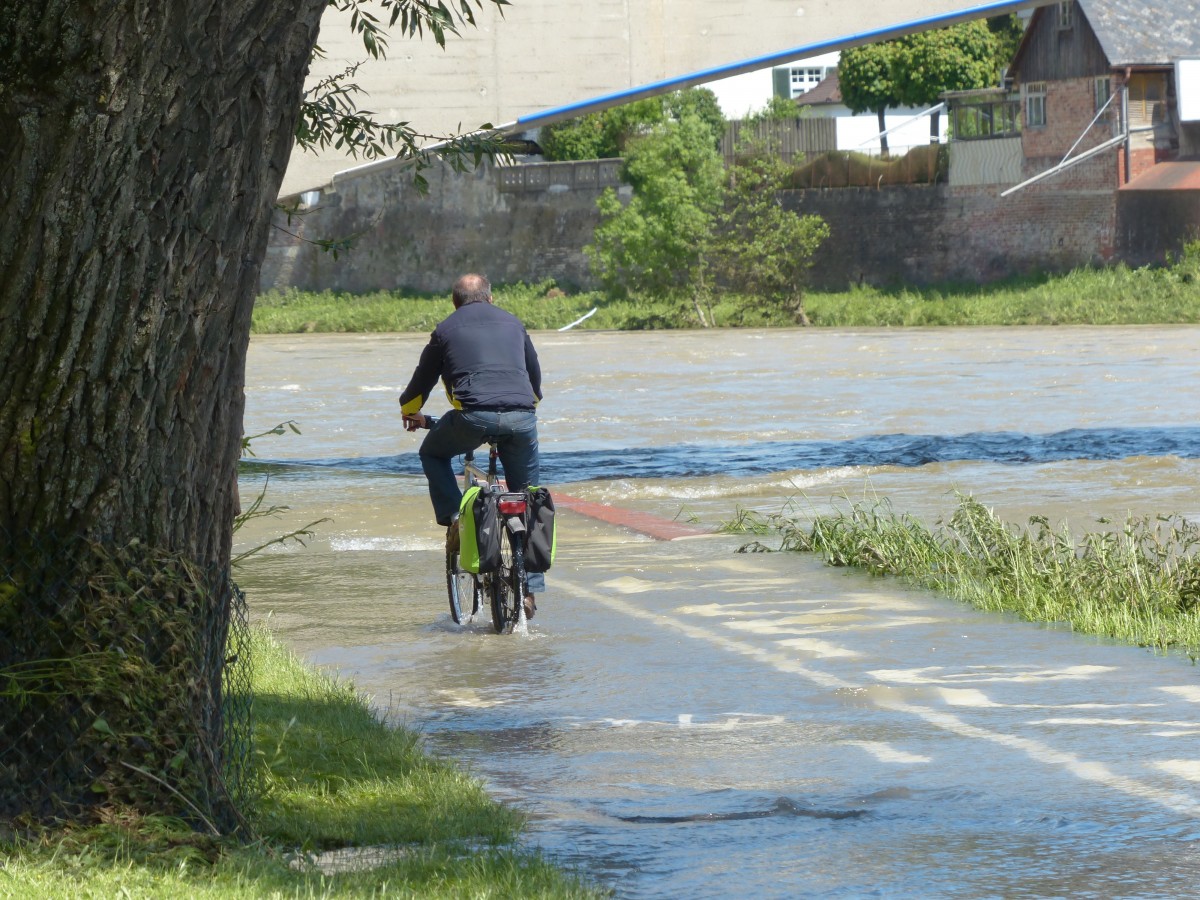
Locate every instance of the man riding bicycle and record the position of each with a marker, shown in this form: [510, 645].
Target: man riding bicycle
[491, 374]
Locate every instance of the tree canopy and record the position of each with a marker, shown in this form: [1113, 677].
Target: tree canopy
[657, 242]
[607, 134]
[691, 222]
[867, 81]
[916, 69]
[762, 248]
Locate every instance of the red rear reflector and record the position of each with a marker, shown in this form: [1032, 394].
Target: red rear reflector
[512, 507]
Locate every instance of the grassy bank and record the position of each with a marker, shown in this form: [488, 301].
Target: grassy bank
[332, 776]
[1116, 296]
[1137, 581]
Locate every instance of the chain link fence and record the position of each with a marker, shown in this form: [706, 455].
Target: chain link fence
[124, 683]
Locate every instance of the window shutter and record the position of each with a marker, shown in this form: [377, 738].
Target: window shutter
[783, 82]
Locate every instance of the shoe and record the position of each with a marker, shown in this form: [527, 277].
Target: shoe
[452, 542]
[530, 606]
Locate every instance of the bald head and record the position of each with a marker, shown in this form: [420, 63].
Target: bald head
[471, 289]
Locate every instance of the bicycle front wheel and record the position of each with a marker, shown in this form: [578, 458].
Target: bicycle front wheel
[506, 586]
[463, 588]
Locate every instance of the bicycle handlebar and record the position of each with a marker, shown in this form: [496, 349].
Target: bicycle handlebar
[430, 421]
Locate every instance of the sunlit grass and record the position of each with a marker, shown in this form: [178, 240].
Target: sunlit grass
[1111, 296]
[1137, 581]
[331, 776]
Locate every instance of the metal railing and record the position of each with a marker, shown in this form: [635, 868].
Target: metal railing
[591, 174]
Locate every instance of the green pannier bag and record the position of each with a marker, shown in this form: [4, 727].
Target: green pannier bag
[478, 531]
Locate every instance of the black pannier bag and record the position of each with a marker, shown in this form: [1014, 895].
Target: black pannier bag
[541, 541]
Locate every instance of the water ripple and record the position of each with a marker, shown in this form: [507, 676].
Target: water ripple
[909, 450]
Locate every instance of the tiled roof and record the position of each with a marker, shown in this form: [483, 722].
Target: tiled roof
[1183, 175]
[1144, 32]
[827, 92]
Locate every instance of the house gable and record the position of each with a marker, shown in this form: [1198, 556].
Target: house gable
[1051, 52]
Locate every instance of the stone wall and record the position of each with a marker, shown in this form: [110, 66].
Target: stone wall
[924, 234]
[1154, 225]
[529, 223]
[521, 223]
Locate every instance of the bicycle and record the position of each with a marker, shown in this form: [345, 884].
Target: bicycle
[506, 586]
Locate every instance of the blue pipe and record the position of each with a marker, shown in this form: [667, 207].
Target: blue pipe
[604, 101]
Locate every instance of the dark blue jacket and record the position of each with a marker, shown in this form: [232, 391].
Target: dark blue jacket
[485, 359]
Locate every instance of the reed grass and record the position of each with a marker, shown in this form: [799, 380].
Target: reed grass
[1137, 581]
[331, 775]
[1111, 296]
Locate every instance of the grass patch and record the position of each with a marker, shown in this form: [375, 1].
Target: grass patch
[1136, 581]
[1110, 296]
[1114, 296]
[540, 306]
[331, 776]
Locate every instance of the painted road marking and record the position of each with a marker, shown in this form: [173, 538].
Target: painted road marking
[1182, 768]
[885, 752]
[1088, 770]
[1188, 692]
[980, 700]
[1019, 674]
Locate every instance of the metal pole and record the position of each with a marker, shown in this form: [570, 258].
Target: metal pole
[1125, 125]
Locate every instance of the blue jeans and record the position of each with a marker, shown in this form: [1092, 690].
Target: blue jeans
[460, 431]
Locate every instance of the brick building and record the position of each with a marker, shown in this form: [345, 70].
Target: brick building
[1093, 118]
[1095, 71]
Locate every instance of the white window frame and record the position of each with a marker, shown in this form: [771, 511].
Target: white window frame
[1034, 95]
[1066, 14]
[1101, 92]
[803, 79]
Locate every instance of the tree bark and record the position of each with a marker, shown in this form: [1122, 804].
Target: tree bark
[144, 142]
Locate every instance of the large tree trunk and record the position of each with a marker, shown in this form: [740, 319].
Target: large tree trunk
[143, 145]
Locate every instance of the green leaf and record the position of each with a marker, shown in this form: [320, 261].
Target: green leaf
[103, 727]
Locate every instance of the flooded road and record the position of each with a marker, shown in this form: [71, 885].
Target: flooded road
[684, 720]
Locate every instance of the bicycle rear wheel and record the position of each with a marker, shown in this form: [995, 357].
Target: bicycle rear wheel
[463, 588]
[506, 586]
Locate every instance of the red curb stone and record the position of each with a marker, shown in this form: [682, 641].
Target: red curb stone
[645, 523]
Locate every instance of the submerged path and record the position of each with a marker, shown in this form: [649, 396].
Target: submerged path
[685, 720]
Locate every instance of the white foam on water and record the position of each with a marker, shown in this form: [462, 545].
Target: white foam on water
[347, 543]
[715, 488]
[271, 549]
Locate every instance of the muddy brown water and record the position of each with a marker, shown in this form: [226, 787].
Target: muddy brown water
[684, 720]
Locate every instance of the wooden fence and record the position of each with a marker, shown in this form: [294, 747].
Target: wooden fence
[792, 139]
